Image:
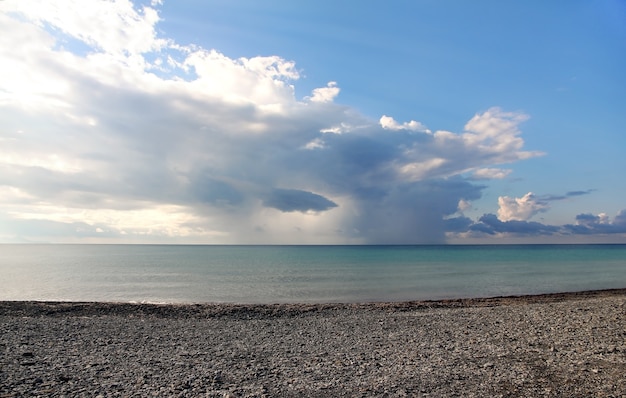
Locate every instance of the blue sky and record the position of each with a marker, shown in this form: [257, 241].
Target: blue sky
[313, 122]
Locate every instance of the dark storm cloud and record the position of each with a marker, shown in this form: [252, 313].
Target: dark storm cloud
[458, 224]
[413, 212]
[294, 200]
[215, 192]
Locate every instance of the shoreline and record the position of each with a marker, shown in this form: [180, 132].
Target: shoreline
[87, 308]
[548, 345]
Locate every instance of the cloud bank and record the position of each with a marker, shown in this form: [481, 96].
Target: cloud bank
[514, 214]
[112, 132]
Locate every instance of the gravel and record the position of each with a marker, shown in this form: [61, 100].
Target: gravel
[561, 345]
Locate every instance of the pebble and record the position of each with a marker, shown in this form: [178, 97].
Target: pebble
[506, 347]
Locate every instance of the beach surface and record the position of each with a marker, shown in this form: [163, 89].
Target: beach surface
[561, 345]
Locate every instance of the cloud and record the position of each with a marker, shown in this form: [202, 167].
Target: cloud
[410, 213]
[295, 200]
[458, 224]
[490, 174]
[325, 94]
[109, 124]
[589, 224]
[215, 192]
[388, 123]
[520, 209]
[497, 130]
[464, 205]
[590, 219]
[258, 81]
[571, 194]
[114, 28]
[513, 215]
[492, 225]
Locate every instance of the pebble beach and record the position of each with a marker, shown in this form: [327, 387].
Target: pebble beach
[553, 345]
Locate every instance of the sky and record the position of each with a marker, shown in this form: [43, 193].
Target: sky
[312, 122]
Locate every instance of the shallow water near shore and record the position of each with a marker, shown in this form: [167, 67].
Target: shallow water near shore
[302, 274]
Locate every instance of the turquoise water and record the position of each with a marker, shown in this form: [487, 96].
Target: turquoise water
[274, 274]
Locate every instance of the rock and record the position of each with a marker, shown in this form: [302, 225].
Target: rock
[472, 348]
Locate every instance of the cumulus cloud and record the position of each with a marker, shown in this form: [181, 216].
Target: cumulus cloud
[388, 123]
[591, 219]
[115, 28]
[114, 132]
[464, 205]
[325, 94]
[512, 221]
[588, 224]
[520, 209]
[524, 208]
[498, 130]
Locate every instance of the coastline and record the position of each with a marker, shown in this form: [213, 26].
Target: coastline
[92, 308]
[563, 344]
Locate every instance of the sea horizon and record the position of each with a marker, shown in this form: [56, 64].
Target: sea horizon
[200, 273]
[311, 244]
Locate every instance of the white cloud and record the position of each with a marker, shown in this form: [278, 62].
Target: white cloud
[604, 218]
[98, 133]
[490, 174]
[421, 170]
[496, 131]
[464, 205]
[168, 220]
[258, 80]
[325, 94]
[519, 209]
[317, 143]
[490, 138]
[51, 162]
[388, 123]
[114, 27]
[343, 127]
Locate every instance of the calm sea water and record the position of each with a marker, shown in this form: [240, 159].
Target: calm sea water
[273, 274]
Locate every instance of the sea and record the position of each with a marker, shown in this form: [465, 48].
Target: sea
[301, 274]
